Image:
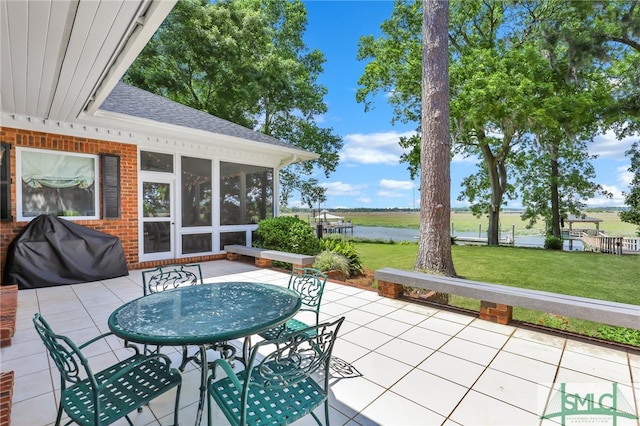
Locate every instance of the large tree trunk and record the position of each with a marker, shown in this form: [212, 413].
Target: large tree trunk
[434, 248]
[555, 194]
[497, 176]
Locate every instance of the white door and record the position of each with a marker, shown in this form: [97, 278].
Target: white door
[157, 240]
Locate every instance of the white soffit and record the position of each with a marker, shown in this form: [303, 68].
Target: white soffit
[58, 55]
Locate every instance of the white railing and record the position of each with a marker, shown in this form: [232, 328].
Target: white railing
[631, 243]
[613, 245]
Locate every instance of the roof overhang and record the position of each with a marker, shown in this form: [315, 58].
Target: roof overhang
[148, 130]
[60, 58]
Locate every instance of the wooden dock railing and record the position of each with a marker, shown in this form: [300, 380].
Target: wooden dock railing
[613, 245]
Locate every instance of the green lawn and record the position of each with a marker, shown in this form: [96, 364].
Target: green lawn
[586, 274]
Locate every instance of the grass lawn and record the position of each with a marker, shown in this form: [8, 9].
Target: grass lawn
[584, 274]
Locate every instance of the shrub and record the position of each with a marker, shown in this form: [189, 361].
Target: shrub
[347, 249]
[624, 335]
[331, 261]
[553, 243]
[287, 233]
[555, 321]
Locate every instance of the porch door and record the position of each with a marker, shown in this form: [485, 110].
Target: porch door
[158, 222]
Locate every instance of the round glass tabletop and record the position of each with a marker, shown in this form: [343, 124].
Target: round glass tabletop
[206, 313]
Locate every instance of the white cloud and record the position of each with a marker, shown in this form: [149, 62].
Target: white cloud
[624, 175]
[468, 159]
[608, 145]
[396, 185]
[365, 200]
[373, 148]
[341, 188]
[601, 201]
[389, 194]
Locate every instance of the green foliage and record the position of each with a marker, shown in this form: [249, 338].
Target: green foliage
[632, 198]
[287, 233]
[553, 243]
[555, 321]
[534, 76]
[625, 335]
[244, 61]
[329, 260]
[347, 249]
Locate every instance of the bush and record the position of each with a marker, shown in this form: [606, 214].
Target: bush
[624, 335]
[287, 233]
[553, 243]
[347, 249]
[331, 261]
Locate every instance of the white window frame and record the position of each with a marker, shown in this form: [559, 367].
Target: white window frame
[96, 164]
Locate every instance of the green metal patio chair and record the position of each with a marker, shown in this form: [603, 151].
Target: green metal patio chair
[95, 399]
[278, 385]
[168, 277]
[171, 276]
[309, 284]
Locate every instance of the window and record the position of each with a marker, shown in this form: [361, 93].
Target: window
[196, 192]
[51, 182]
[246, 194]
[156, 162]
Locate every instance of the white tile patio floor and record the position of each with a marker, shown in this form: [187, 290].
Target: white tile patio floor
[408, 364]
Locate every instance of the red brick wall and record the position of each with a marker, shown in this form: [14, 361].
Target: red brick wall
[125, 228]
[6, 394]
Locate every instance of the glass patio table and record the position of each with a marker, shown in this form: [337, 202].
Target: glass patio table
[202, 315]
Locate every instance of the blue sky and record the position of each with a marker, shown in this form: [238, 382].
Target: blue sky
[370, 174]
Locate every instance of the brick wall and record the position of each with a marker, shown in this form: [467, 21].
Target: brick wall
[6, 394]
[125, 228]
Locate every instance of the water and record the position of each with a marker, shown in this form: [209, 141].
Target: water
[408, 234]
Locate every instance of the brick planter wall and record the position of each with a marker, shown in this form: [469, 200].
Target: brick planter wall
[8, 309]
[6, 395]
[391, 290]
[496, 312]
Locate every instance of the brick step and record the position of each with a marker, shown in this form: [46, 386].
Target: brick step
[8, 309]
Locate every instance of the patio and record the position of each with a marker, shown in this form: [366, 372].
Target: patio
[404, 363]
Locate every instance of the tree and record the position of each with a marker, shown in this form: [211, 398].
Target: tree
[313, 194]
[244, 61]
[434, 245]
[572, 98]
[632, 198]
[503, 89]
[491, 88]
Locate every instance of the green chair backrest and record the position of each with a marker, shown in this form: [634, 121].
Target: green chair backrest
[287, 360]
[66, 355]
[171, 276]
[309, 284]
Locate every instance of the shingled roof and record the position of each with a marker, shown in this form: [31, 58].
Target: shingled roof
[129, 100]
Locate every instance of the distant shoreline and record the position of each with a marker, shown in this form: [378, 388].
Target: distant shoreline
[465, 222]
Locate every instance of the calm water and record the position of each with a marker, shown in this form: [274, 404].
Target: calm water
[406, 234]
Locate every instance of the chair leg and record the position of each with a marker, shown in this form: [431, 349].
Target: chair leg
[326, 410]
[177, 406]
[59, 416]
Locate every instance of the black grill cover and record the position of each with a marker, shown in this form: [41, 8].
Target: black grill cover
[51, 251]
